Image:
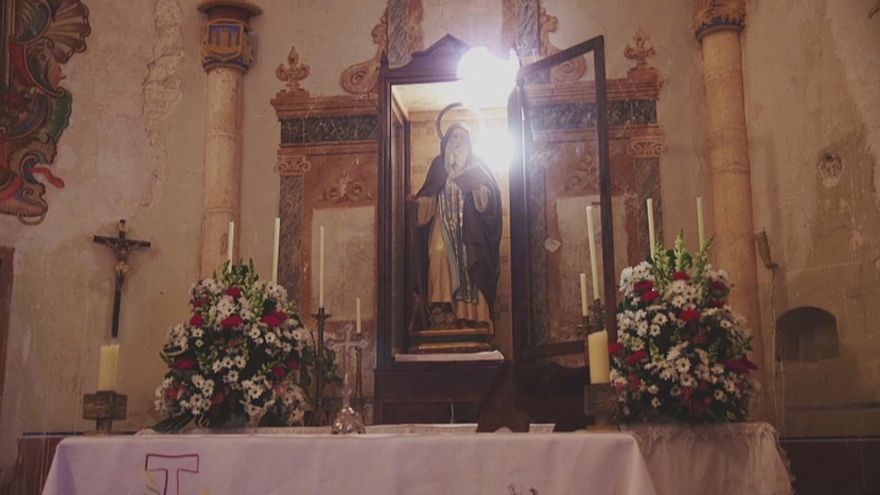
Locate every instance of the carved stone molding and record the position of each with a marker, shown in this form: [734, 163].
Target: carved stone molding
[36, 37]
[714, 15]
[361, 79]
[293, 74]
[646, 147]
[226, 38]
[574, 69]
[292, 165]
[346, 189]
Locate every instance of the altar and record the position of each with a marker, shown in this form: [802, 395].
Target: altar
[421, 459]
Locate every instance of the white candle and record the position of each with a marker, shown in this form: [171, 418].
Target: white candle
[358, 324]
[584, 294]
[107, 367]
[321, 267]
[701, 232]
[275, 247]
[651, 240]
[600, 367]
[591, 236]
[230, 242]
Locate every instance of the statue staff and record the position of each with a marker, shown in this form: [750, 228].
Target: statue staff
[121, 247]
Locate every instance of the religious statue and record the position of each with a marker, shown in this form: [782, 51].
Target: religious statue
[457, 217]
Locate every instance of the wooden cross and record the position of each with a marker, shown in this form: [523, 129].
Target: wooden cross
[344, 344]
[121, 247]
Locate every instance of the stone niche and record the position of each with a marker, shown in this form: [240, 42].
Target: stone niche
[806, 334]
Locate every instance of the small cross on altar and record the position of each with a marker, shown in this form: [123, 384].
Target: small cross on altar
[347, 419]
[121, 247]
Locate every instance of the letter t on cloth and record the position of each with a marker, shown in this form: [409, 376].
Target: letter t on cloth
[172, 465]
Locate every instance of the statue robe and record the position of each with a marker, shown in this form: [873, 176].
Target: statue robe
[458, 239]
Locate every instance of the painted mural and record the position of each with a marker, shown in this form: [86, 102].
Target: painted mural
[36, 38]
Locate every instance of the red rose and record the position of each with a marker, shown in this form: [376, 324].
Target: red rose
[700, 338]
[634, 382]
[184, 364]
[274, 319]
[231, 321]
[686, 392]
[636, 357]
[643, 286]
[294, 365]
[690, 315]
[198, 303]
[718, 285]
[234, 292]
[739, 366]
[218, 399]
[651, 296]
[615, 348]
[681, 276]
[718, 303]
[196, 320]
[171, 393]
[279, 370]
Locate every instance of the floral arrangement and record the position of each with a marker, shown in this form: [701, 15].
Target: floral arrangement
[681, 350]
[242, 358]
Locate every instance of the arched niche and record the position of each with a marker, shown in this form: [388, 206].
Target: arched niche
[808, 334]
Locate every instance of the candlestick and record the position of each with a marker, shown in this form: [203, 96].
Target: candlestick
[275, 247]
[594, 265]
[600, 368]
[321, 267]
[701, 232]
[230, 242]
[358, 324]
[651, 240]
[320, 416]
[107, 367]
[584, 294]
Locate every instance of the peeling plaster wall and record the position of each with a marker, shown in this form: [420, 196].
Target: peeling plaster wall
[133, 150]
[814, 133]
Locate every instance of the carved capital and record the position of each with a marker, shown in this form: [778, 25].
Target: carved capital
[226, 38]
[293, 165]
[716, 15]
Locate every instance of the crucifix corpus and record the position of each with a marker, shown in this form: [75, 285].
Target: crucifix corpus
[122, 247]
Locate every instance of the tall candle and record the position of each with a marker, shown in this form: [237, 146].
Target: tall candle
[701, 232]
[107, 367]
[584, 294]
[651, 240]
[591, 236]
[358, 324]
[600, 367]
[275, 246]
[321, 267]
[230, 242]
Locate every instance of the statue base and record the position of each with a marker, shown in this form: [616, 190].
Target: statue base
[451, 340]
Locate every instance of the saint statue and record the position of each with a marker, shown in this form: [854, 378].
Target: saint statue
[457, 238]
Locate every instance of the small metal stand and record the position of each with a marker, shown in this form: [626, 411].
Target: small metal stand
[595, 320]
[104, 406]
[359, 380]
[600, 404]
[320, 418]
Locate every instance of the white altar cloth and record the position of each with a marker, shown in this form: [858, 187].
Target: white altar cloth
[459, 463]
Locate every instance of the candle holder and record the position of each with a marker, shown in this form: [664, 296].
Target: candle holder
[600, 406]
[320, 418]
[104, 406]
[359, 380]
[594, 321]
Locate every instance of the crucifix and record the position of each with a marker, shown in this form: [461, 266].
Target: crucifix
[347, 419]
[121, 247]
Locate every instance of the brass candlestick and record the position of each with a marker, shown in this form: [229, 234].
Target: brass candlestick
[594, 320]
[359, 379]
[104, 406]
[600, 405]
[320, 414]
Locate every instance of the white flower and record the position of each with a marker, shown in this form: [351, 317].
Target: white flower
[197, 332]
[655, 331]
[653, 389]
[675, 391]
[719, 395]
[655, 402]
[687, 381]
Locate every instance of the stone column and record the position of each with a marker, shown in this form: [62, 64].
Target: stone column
[718, 24]
[226, 56]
